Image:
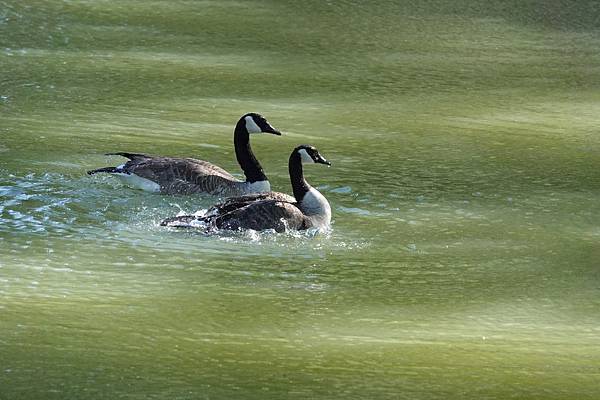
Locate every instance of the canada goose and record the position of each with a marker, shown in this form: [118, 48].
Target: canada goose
[273, 210]
[187, 175]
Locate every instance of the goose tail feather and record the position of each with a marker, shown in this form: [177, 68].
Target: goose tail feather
[181, 221]
[108, 170]
[131, 156]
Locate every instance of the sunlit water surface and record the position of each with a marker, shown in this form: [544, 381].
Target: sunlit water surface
[463, 256]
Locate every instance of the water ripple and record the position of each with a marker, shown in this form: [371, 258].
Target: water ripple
[102, 209]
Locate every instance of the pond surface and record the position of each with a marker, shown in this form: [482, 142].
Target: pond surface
[463, 262]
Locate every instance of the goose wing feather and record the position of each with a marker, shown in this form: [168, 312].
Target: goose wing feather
[261, 215]
[234, 203]
[182, 175]
[224, 211]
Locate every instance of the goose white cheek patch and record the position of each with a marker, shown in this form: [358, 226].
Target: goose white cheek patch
[305, 157]
[251, 126]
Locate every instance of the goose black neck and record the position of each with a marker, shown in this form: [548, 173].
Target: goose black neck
[245, 157]
[299, 184]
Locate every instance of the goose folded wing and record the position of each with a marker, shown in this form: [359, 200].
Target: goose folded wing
[182, 175]
[262, 215]
[232, 203]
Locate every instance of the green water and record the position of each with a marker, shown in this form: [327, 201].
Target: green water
[464, 257]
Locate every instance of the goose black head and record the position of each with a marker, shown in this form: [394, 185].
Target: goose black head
[256, 123]
[309, 154]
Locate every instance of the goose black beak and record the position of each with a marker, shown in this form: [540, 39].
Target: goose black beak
[321, 160]
[272, 131]
[266, 127]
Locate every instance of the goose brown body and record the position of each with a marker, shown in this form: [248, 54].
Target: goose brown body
[182, 175]
[171, 175]
[272, 210]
